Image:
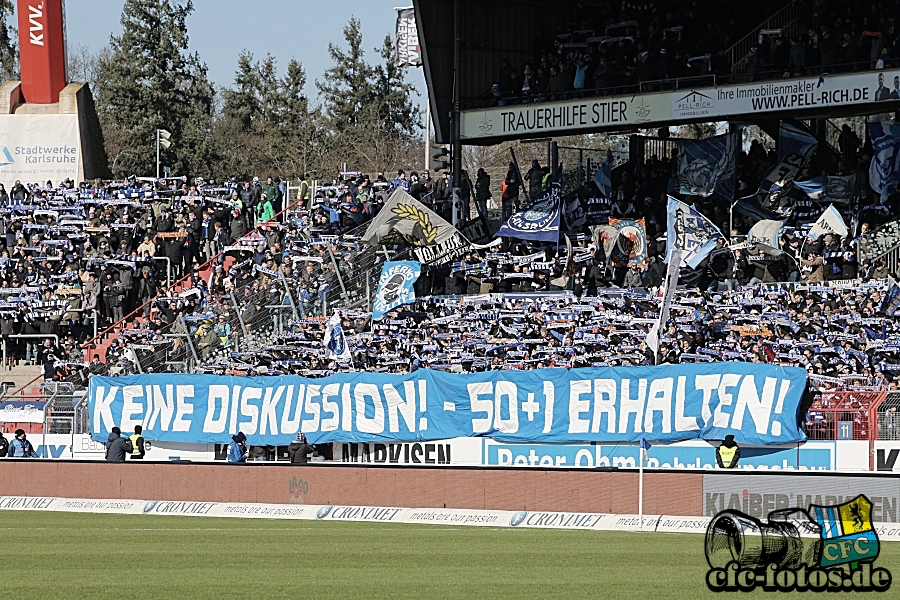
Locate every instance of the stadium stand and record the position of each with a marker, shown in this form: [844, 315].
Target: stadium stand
[623, 48]
[259, 304]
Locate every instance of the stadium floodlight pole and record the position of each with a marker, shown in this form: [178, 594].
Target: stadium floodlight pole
[455, 142]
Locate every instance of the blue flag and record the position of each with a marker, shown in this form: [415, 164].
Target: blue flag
[708, 166]
[690, 232]
[645, 446]
[794, 140]
[395, 286]
[603, 176]
[834, 188]
[891, 303]
[884, 171]
[538, 222]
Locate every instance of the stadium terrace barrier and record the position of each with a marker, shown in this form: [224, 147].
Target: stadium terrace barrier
[565, 499]
[607, 491]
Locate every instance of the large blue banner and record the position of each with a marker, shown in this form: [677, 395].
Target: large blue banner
[758, 404]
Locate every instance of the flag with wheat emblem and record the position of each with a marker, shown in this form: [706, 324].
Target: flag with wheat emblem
[408, 218]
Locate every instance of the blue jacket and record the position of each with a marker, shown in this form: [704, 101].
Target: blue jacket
[236, 453]
[21, 449]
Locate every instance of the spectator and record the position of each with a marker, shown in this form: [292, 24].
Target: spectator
[510, 191]
[21, 447]
[117, 447]
[264, 210]
[237, 449]
[299, 450]
[482, 191]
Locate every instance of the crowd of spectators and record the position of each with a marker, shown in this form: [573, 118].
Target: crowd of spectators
[578, 310]
[262, 304]
[610, 48]
[76, 259]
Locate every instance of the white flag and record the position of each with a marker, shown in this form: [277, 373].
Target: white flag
[671, 283]
[335, 343]
[830, 222]
[766, 232]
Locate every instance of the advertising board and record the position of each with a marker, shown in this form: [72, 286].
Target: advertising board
[571, 115]
[38, 148]
[758, 495]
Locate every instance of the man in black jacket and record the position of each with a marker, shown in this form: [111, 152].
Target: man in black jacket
[299, 450]
[117, 447]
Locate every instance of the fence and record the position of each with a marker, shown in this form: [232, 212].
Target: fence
[846, 415]
[888, 417]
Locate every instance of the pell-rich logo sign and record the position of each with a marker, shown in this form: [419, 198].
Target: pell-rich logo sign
[822, 548]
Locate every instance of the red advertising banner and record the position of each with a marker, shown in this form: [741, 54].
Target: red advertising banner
[42, 50]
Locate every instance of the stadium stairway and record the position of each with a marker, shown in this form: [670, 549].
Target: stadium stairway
[97, 345]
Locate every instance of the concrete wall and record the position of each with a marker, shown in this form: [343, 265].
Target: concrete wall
[671, 493]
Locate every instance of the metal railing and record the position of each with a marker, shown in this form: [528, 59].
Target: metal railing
[146, 306]
[784, 20]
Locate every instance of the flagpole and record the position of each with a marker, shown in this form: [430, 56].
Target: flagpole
[641, 491]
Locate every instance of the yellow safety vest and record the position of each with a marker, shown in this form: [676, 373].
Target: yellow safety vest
[305, 196]
[727, 455]
[134, 442]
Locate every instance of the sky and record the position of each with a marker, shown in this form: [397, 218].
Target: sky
[220, 29]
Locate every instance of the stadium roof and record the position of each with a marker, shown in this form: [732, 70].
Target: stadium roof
[490, 31]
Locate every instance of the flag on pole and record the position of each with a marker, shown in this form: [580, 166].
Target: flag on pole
[645, 445]
[395, 286]
[795, 140]
[670, 283]
[408, 52]
[539, 221]
[831, 221]
[603, 176]
[767, 232]
[707, 166]
[884, 170]
[691, 232]
[335, 343]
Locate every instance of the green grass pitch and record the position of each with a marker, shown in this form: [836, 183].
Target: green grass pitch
[70, 556]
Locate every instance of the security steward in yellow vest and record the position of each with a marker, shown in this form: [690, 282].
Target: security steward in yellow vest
[728, 453]
[303, 191]
[137, 442]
